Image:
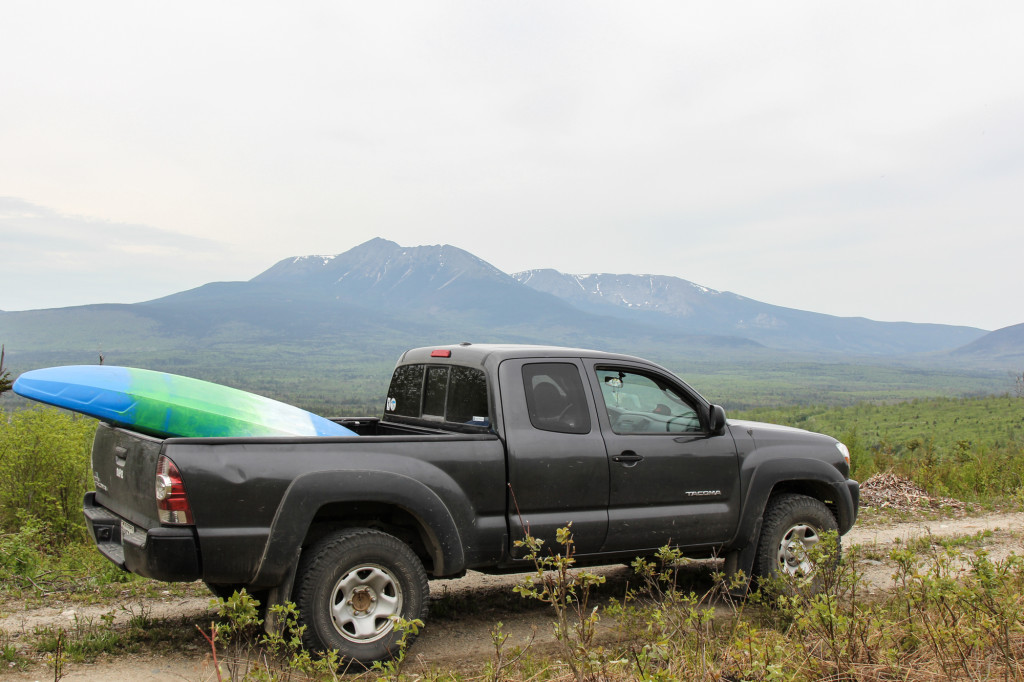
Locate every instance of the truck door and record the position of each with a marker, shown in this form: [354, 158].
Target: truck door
[671, 480]
[557, 466]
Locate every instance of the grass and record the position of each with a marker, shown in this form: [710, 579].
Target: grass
[85, 638]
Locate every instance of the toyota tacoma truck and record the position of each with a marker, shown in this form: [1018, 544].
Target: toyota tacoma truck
[477, 445]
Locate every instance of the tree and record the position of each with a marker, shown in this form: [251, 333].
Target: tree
[5, 374]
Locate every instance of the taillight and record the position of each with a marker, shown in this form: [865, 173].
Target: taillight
[171, 500]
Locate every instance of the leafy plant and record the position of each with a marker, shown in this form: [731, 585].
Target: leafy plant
[392, 670]
[249, 653]
[554, 582]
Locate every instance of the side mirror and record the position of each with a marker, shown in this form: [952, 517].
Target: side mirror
[716, 420]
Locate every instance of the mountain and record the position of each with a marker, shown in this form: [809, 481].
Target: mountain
[683, 306]
[327, 327]
[1003, 346]
[448, 286]
[386, 292]
[369, 303]
[426, 280]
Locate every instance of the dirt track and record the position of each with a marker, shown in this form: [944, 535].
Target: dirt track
[466, 610]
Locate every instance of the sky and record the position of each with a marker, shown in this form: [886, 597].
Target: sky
[856, 159]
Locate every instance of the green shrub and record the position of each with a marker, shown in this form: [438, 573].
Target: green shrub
[44, 470]
[20, 557]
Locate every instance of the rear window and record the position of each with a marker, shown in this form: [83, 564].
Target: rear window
[405, 392]
[439, 393]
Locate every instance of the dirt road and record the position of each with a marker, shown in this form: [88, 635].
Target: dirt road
[464, 611]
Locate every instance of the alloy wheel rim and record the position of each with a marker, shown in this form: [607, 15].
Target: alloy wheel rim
[794, 550]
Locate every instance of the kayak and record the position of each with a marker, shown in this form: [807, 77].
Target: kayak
[169, 405]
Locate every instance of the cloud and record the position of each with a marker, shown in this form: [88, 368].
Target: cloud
[51, 259]
[750, 147]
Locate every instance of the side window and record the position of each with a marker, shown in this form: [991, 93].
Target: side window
[439, 393]
[555, 398]
[639, 403]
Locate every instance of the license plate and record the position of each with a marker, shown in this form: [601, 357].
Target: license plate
[127, 529]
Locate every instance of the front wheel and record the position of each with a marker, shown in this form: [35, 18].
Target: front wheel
[793, 525]
[351, 586]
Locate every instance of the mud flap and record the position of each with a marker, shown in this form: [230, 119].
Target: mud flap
[742, 561]
[279, 594]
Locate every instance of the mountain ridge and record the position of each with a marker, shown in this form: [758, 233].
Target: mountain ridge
[680, 304]
[381, 297]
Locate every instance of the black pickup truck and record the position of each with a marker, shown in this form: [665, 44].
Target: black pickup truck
[474, 441]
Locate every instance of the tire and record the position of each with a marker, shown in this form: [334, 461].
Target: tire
[792, 525]
[350, 584]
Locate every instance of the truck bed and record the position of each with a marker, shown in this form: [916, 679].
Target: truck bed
[249, 526]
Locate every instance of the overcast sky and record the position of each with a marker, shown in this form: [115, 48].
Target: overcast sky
[857, 159]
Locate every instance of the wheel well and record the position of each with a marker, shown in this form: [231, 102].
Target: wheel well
[388, 518]
[819, 490]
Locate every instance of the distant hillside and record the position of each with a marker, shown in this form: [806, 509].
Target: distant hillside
[1001, 347]
[680, 305]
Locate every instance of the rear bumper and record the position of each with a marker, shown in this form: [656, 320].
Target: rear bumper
[160, 553]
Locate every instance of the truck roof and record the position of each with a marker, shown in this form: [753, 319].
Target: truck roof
[486, 354]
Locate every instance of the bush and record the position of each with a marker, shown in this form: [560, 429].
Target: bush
[45, 470]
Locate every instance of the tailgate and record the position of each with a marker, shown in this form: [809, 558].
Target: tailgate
[124, 473]
[122, 514]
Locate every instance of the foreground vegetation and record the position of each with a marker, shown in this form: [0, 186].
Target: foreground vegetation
[956, 613]
[952, 613]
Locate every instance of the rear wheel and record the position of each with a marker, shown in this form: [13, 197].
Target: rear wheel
[351, 586]
[793, 525]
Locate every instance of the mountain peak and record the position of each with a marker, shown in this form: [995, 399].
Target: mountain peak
[381, 269]
[660, 293]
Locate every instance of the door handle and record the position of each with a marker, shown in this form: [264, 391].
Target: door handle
[628, 458]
